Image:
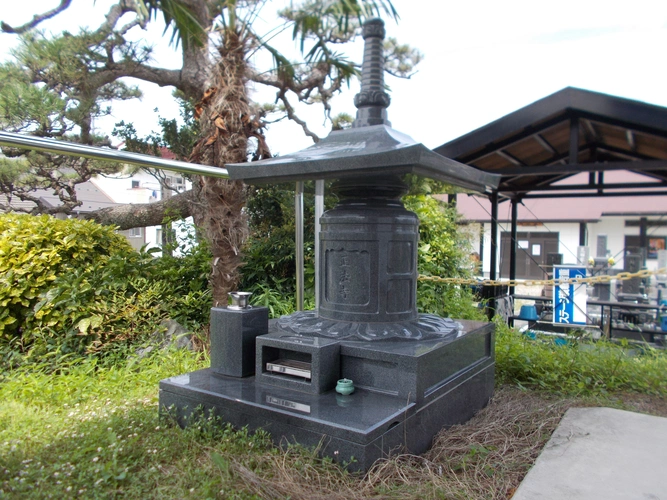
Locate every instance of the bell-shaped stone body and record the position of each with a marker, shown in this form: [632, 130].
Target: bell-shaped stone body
[369, 262]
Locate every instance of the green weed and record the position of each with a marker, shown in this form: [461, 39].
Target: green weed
[95, 432]
[577, 367]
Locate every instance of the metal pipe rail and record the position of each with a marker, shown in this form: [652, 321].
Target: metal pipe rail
[85, 151]
[93, 152]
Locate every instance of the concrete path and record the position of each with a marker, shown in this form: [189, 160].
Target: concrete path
[601, 454]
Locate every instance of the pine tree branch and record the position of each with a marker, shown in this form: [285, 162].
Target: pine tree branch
[292, 116]
[160, 76]
[36, 20]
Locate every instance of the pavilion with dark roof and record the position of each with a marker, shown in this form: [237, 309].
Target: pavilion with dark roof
[575, 156]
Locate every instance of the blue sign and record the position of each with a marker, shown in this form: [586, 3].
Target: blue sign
[570, 299]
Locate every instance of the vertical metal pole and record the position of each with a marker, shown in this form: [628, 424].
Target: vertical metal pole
[494, 252]
[494, 236]
[481, 248]
[319, 211]
[643, 240]
[583, 232]
[298, 240]
[513, 245]
[574, 140]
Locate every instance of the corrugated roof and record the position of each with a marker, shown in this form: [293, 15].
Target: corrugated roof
[478, 209]
[590, 209]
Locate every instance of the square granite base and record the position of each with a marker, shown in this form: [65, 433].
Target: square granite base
[407, 392]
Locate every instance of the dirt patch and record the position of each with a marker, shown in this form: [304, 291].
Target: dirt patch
[640, 403]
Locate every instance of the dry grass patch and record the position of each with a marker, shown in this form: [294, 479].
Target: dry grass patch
[486, 458]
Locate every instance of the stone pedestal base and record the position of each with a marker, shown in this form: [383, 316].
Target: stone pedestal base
[406, 392]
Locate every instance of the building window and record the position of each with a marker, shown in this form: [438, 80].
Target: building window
[136, 232]
[158, 237]
[135, 184]
[177, 183]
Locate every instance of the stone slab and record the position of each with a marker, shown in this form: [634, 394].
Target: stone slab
[416, 370]
[377, 149]
[601, 454]
[353, 430]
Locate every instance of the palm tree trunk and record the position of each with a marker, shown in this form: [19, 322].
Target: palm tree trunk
[224, 114]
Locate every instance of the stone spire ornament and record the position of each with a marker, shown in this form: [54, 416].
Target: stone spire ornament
[372, 101]
[370, 146]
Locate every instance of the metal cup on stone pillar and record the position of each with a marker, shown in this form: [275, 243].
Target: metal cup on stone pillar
[233, 330]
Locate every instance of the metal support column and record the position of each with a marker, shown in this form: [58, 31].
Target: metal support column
[494, 250]
[515, 216]
[319, 211]
[643, 240]
[513, 245]
[583, 234]
[481, 248]
[298, 239]
[574, 140]
[493, 271]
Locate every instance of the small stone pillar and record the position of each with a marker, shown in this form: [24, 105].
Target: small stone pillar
[233, 333]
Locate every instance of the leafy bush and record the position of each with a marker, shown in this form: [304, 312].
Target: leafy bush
[444, 251]
[190, 299]
[269, 267]
[75, 287]
[36, 251]
[577, 368]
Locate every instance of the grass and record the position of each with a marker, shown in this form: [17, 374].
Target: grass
[93, 431]
[578, 367]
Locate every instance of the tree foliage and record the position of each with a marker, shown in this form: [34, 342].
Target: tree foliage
[220, 42]
[51, 89]
[444, 251]
[35, 252]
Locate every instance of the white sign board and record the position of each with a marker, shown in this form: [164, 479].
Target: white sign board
[570, 299]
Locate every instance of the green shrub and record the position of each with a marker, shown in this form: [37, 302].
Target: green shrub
[36, 251]
[578, 367]
[189, 299]
[444, 251]
[269, 266]
[71, 288]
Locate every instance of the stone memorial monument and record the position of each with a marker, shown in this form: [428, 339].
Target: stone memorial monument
[365, 374]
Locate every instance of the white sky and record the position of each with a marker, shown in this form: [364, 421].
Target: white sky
[483, 59]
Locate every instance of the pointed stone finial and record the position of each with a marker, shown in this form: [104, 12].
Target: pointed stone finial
[372, 101]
